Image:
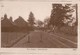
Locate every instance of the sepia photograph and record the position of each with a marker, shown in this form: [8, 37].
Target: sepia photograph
[39, 25]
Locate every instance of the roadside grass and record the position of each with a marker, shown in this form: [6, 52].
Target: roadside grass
[70, 30]
[68, 33]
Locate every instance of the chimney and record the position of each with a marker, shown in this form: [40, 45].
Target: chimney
[5, 16]
[10, 19]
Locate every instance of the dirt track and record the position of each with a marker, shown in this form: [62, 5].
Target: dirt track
[40, 39]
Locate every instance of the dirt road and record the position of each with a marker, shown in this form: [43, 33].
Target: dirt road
[41, 39]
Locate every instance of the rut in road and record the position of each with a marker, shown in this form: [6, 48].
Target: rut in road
[66, 42]
[37, 39]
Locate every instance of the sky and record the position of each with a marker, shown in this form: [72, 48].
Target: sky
[41, 10]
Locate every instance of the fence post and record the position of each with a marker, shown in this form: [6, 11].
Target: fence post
[41, 40]
[28, 38]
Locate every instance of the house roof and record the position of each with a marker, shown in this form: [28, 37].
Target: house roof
[20, 22]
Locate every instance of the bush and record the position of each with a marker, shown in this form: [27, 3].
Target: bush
[69, 30]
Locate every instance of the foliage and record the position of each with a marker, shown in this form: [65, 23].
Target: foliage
[31, 19]
[39, 23]
[59, 13]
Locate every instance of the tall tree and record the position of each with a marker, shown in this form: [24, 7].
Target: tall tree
[39, 23]
[31, 19]
[46, 22]
[59, 13]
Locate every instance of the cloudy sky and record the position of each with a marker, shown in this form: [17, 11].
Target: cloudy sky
[40, 10]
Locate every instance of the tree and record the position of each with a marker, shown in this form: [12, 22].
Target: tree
[59, 13]
[39, 23]
[31, 19]
[46, 22]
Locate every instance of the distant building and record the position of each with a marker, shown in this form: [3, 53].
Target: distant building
[7, 25]
[20, 22]
[5, 22]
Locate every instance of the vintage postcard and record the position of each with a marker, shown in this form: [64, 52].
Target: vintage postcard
[39, 27]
